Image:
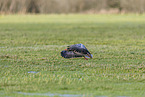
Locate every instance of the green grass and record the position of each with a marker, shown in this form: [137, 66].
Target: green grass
[34, 42]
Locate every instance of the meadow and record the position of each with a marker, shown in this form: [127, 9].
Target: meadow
[31, 65]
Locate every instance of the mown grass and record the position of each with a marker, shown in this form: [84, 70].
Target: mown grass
[34, 42]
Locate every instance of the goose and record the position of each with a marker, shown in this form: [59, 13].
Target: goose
[76, 50]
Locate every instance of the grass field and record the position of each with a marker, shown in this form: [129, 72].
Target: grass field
[31, 65]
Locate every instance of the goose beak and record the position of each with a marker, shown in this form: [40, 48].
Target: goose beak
[89, 55]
